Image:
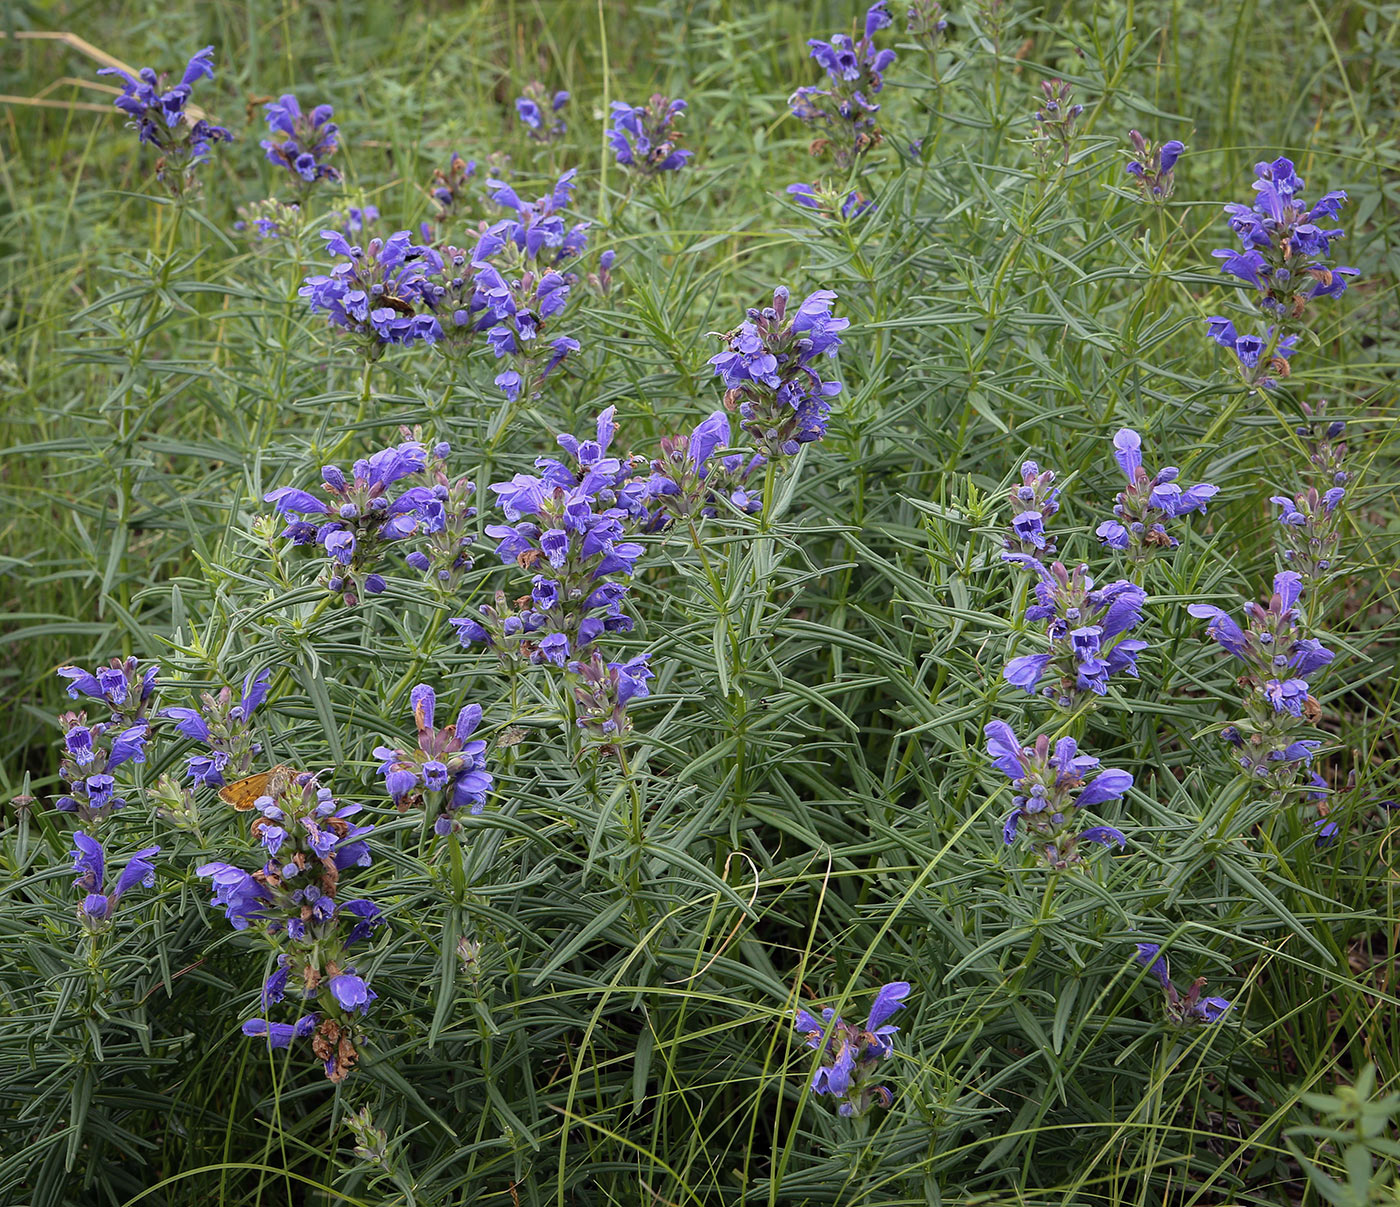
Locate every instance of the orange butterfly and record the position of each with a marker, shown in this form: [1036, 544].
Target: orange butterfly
[242, 793]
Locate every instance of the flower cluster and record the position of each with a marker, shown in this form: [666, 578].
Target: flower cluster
[270, 219]
[688, 480]
[158, 115]
[644, 137]
[360, 516]
[90, 862]
[90, 754]
[1278, 662]
[1032, 503]
[1285, 252]
[374, 292]
[297, 901]
[122, 685]
[844, 112]
[1150, 500]
[602, 691]
[829, 202]
[537, 229]
[850, 1054]
[301, 142]
[226, 728]
[539, 112]
[926, 23]
[1087, 627]
[1154, 168]
[572, 519]
[1285, 255]
[1190, 1006]
[1050, 789]
[520, 287]
[1054, 122]
[768, 373]
[446, 773]
[445, 531]
[1262, 359]
[1310, 521]
[92, 751]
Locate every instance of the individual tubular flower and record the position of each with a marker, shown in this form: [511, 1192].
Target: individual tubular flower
[1054, 123]
[1189, 1007]
[1154, 168]
[1033, 502]
[689, 480]
[1050, 788]
[571, 522]
[301, 142]
[1150, 500]
[123, 685]
[829, 201]
[298, 902]
[601, 280]
[1286, 252]
[359, 517]
[843, 113]
[602, 692]
[539, 112]
[851, 1055]
[446, 773]
[1259, 359]
[644, 137]
[1087, 627]
[1310, 521]
[89, 859]
[769, 374]
[158, 115]
[445, 531]
[376, 292]
[225, 727]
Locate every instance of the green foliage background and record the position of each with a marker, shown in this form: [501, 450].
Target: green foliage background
[807, 813]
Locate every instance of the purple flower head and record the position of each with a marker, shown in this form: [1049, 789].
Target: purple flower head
[1149, 501]
[301, 142]
[770, 374]
[1189, 1007]
[447, 770]
[850, 1055]
[159, 116]
[538, 112]
[1153, 168]
[1049, 787]
[644, 138]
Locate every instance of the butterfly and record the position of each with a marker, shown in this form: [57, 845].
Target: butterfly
[242, 793]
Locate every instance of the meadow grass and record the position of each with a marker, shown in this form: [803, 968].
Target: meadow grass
[588, 998]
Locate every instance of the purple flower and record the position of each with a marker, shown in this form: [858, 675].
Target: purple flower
[158, 115]
[301, 142]
[1049, 788]
[350, 992]
[850, 1055]
[644, 138]
[89, 860]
